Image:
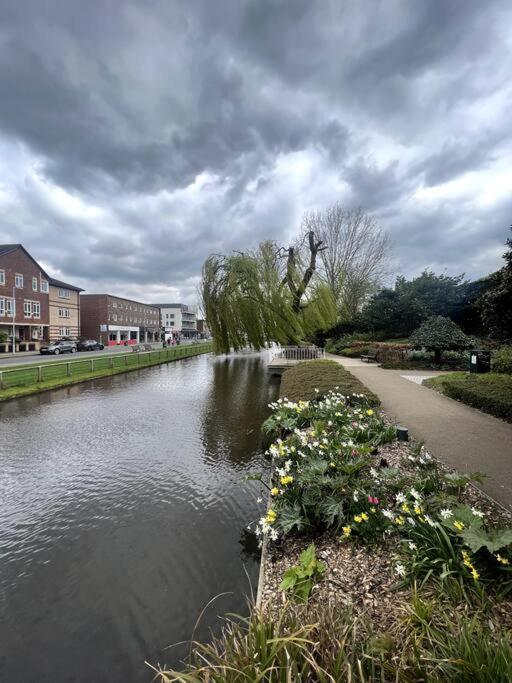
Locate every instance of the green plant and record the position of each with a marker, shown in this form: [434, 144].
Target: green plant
[300, 579]
[3, 337]
[439, 334]
[502, 360]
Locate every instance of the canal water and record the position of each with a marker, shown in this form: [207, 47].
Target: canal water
[123, 511]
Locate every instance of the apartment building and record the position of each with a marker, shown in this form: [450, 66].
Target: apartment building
[24, 298]
[178, 320]
[114, 320]
[64, 301]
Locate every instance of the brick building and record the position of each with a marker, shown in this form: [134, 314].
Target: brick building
[64, 310]
[24, 298]
[114, 320]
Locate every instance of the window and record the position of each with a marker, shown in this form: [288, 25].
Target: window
[64, 331]
[36, 309]
[114, 317]
[27, 309]
[34, 284]
[63, 312]
[64, 293]
[18, 280]
[114, 304]
[44, 286]
[2, 306]
[2, 277]
[10, 307]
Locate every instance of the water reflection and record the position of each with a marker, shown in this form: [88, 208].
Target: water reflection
[121, 513]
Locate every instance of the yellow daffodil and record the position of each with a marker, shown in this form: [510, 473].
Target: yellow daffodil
[332, 464]
[418, 510]
[405, 507]
[400, 520]
[271, 517]
[475, 574]
[274, 491]
[369, 412]
[347, 530]
[502, 560]
[458, 525]
[286, 480]
[358, 519]
[364, 516]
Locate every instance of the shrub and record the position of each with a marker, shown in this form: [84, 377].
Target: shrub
[439, 334]
[491, 393]
[502, 360]
[301, 381]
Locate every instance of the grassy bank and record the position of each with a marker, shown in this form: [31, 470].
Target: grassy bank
[314, 378]
[32, 379]
[491, 393]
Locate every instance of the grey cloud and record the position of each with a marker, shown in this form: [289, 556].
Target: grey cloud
[125, 107]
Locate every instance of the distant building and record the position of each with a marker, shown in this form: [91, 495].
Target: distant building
[64, 310]
[202, 328]
[178, 320]
[114, 320]
[24, 299]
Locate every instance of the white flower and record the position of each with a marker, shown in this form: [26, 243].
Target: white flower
[374, 473]
[400, 498]
[273, 534]
[415, 494]
[388, 514]
[445, 513]
[355, 496]
[412, 545]
[411, 521]
[316, 391]
[429, 521]
[477, 513]
[400, 569]
[259, 500]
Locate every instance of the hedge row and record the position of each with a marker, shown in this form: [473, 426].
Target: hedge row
[299, 383]
[491, 393]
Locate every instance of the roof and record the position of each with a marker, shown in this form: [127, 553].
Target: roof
[7, 248]
[187, 306]
[59, 283]
[121, 298]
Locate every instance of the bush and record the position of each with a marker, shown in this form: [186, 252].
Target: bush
[300, 382]
[439, 334]
[502, 360]
[491, 393]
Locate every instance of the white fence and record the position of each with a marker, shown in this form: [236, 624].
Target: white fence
[296, 353]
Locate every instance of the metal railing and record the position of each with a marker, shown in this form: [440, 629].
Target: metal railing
[296, 353]
[31, 374]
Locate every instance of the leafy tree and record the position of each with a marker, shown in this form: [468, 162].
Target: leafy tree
[496, 304]
[271, 294]
[400, 310]
[439, 334]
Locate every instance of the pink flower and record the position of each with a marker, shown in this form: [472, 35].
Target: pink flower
[373, 501]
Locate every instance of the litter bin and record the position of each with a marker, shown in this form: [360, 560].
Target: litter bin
[479, 361]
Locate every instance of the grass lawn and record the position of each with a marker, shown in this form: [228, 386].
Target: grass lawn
[300, 382]
[490, 392]
[28, 379]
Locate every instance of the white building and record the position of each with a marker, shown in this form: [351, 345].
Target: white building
[178, 320]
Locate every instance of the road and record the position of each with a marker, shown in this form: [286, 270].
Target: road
[22, 358]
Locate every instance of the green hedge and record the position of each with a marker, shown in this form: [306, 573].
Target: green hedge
[299, 383]
[491, 392]
[502, 360]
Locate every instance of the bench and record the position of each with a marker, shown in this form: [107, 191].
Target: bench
[370, 357]
[142, 347]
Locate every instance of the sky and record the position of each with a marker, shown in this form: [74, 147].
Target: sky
[139, 136]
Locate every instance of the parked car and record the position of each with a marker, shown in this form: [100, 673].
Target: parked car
[58, 347]
[90, 345]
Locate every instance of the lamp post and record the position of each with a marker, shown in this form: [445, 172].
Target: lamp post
[14, 320]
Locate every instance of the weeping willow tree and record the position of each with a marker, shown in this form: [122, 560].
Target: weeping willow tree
[268, 295]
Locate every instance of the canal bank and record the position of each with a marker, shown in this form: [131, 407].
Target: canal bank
[123, 512]
[32, 379]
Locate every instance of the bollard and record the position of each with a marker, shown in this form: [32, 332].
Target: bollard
[402, 434]
[92, 364]
[68, 369]
[39, 373]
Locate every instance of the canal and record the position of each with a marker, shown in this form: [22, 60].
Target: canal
[123, 511]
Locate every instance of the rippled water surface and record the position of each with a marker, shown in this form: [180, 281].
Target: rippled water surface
[122, 513]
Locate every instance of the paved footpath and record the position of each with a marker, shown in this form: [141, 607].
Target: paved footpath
[460, 436]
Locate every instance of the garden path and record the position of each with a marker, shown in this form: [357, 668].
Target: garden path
[460, 436]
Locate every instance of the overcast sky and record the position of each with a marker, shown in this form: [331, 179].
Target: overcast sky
[137, 137]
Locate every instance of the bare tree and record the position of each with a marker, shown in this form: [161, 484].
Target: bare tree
[355, 258]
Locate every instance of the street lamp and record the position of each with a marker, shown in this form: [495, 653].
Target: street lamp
[14, 319]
